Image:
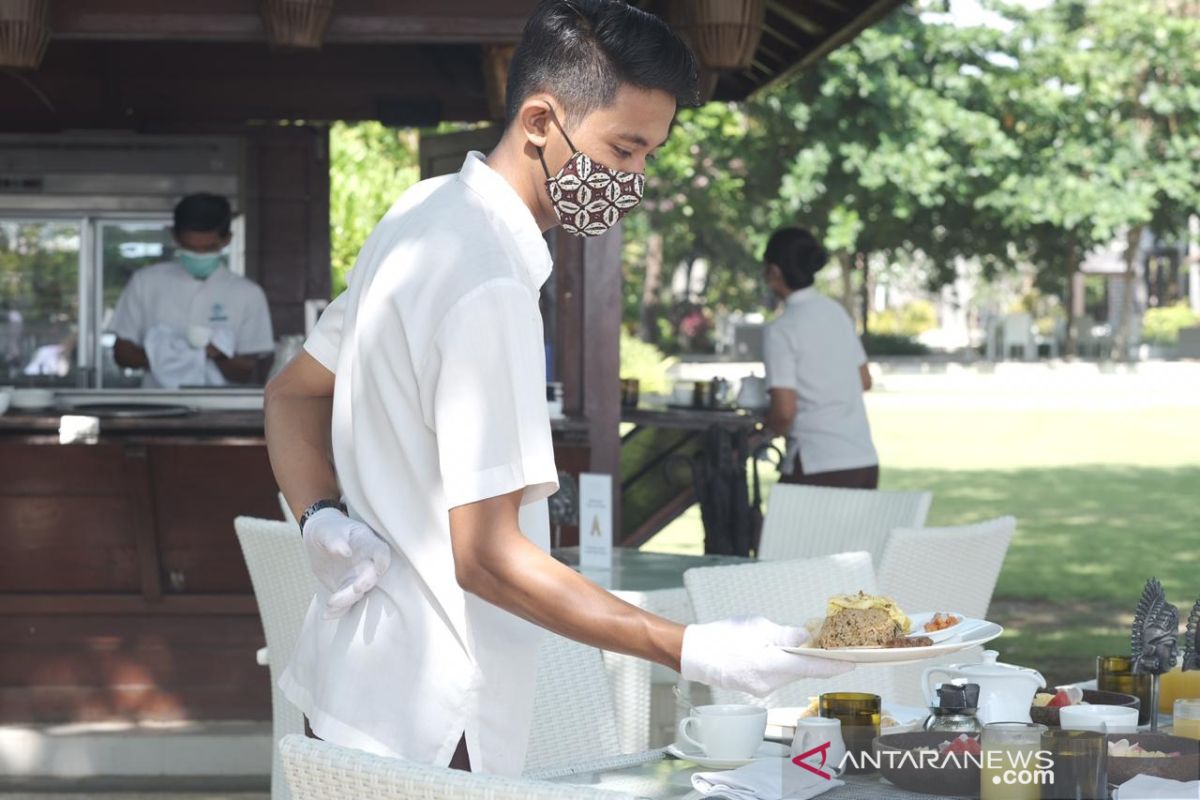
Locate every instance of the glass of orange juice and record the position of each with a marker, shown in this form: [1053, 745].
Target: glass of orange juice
[1187, 718]
[1176, 684]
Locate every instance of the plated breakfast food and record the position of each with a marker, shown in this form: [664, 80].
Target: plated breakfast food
[866, 620]
[867, 628]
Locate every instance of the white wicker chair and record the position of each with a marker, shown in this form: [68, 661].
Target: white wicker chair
[574, 719]
[810, 521]
[288, 516]
[283, 586]
[951, 569]
[943, 569]
[790, 593]
[321, 771]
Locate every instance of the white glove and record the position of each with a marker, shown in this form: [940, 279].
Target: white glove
[346, 556]
[745, 654]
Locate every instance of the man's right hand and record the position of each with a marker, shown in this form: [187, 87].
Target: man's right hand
[346, 556]
[746, 654]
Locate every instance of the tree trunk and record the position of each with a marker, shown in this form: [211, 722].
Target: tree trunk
[1074, 303]
[864, 264]
[847, 267]
[651, 290]
[1123, 341]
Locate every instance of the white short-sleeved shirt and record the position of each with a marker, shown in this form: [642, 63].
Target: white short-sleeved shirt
[166, 294]
[439, 401]
[813, 349]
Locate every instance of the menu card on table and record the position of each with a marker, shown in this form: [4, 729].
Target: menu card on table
[595, 522]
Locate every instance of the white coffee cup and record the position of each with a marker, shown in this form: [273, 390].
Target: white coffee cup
[815, 732]
[199, 336]
[729, 731]
[1100, 718]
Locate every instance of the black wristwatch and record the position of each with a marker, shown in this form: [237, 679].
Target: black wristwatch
[319, 506]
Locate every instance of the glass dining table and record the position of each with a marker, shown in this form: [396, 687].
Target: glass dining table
[654, 582]
[671, 779]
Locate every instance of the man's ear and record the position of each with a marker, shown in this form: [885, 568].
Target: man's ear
[535, 118]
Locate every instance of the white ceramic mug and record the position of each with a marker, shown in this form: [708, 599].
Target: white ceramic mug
[729, 732]
[1102, 718]
[813, 732]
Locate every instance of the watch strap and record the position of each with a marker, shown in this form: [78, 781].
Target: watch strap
[320, 505]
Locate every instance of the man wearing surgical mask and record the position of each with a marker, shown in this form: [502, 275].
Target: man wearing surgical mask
[190, 321]
[428, 529]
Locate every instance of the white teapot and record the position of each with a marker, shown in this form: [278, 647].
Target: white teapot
[1005, 691]
[752, 394]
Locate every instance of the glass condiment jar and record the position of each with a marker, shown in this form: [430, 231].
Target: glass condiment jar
[956, 711]
[953, 721]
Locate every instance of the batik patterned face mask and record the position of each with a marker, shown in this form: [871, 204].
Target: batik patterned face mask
[590, 198]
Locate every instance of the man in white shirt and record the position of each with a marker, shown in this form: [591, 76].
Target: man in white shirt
[430, 372]
[190, 321]
[816, 373]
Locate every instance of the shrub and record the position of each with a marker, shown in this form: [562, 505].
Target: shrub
[1161, 325]
[646, 363]
[910, 319]
[890, 344]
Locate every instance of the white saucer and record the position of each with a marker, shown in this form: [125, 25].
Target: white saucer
[685, 752]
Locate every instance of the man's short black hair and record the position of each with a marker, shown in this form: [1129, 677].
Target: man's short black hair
[581, 51]
[203, 213]
[798, 255]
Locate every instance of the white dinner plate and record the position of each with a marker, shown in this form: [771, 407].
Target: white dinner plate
[919, 620]
[974, 632]
[686, 752]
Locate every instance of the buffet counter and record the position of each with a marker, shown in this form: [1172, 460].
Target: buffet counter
[123, 593]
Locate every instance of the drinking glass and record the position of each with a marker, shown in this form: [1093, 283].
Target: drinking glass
[859, 713]
[1080, 765]
[1115, 674]
[1187, 718]
[1012, 768]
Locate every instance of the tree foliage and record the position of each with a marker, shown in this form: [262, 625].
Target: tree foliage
[1034, 138]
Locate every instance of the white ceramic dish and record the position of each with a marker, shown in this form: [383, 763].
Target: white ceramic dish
[5, 399]
[974, 632]
[919, 620]
[30, 399]
[781, 722]
[685, 752]
[1116, 719]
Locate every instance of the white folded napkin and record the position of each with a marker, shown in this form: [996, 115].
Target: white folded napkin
[173, 360]
[1149, 787]
[763, 779]
[224, 340]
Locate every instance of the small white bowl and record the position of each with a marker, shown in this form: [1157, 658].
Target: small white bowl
[1115, 719]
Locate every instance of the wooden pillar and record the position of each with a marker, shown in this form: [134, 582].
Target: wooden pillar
[287, 210]
[602, 356]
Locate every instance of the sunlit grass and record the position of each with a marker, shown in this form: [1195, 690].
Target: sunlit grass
[1104, 498]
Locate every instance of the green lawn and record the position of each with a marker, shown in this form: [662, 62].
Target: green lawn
[1104, 497]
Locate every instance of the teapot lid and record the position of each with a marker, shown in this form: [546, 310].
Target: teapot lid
[990, 667]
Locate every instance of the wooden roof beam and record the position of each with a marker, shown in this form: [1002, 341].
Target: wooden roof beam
[797, 19]
[353, 21]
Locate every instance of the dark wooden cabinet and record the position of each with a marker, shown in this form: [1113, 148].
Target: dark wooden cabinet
[123, 592]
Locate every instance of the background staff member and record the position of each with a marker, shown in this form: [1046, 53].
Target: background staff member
[430, 372]
[191, 321]
[816, 373]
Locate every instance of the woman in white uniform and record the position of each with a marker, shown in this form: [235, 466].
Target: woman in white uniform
[816, 373]
[426, 382]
